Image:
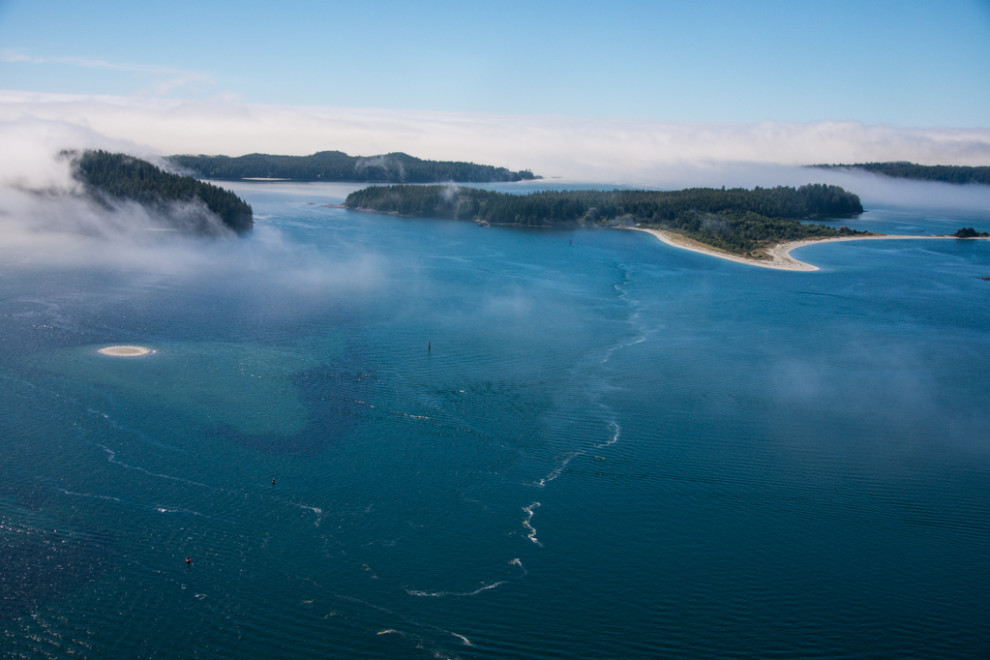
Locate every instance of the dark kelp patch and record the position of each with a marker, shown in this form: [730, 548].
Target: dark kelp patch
[335, 398]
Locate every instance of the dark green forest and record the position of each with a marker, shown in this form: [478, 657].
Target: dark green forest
[905, 170]
[969, 232]
[738, 220]
[338, 166]
[119, 176]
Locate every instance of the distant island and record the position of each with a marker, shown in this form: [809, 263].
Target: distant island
[904, 170]
[738, 221]
[177, 199]
[338, 166]
[969, 232]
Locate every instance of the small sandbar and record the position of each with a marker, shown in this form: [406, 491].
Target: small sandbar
[126, 351]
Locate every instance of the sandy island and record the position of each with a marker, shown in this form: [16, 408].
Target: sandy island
[779, 256]
[126, 351]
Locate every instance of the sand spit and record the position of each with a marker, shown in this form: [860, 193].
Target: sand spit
[126, 351]
[779, 256]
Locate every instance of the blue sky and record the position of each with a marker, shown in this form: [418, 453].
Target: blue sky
[905, 63]
[616, 90]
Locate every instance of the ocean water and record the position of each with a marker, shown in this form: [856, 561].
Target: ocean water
[385, 437]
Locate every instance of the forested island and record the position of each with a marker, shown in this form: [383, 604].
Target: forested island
[969, 232]
[740, 221]
[904, 170]
[338, 166]
[175, 198]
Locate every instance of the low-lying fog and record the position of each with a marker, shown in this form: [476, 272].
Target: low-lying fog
[44, 219]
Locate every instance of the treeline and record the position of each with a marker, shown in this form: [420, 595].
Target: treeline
[969, 232]
[119, 176]
[737, 220]
[338, 166]
[905, 170]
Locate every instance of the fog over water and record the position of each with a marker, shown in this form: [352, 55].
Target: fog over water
[389, 437]
[357, 435]
[586, 149]
[44, 216]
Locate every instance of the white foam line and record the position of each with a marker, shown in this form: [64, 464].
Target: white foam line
[616, 434]
[441, 594]
[444, 594]
[633, 303]
[92, 496]
[628, 344]
[116, 425]
[528, 524]
[112, 458]
[392, 631]
[117, 500]
[162, 509]
[557, 471]
[518, 562]
[317, 511]
[464, 640]
[411, 415]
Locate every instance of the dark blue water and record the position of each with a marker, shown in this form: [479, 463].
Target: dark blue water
[490, 442]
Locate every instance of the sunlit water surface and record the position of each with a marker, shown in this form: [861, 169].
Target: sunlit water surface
[384, 437]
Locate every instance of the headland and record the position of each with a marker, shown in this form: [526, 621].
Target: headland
[778, 256]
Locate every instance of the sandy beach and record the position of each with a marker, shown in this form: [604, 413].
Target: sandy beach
[125, 351]
[779, 256]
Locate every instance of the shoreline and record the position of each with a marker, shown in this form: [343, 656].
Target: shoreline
[780, 254]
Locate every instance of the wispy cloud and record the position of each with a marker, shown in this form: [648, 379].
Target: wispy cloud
[166, 79]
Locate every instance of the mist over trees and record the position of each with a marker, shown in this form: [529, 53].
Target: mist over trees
[905, 170]
[113, 176]
[737, 220]
[338, 166]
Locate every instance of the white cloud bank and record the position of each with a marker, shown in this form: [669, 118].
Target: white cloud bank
[43, 219]
[581, 149]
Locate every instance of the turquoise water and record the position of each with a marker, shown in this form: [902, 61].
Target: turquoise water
[490, 442]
